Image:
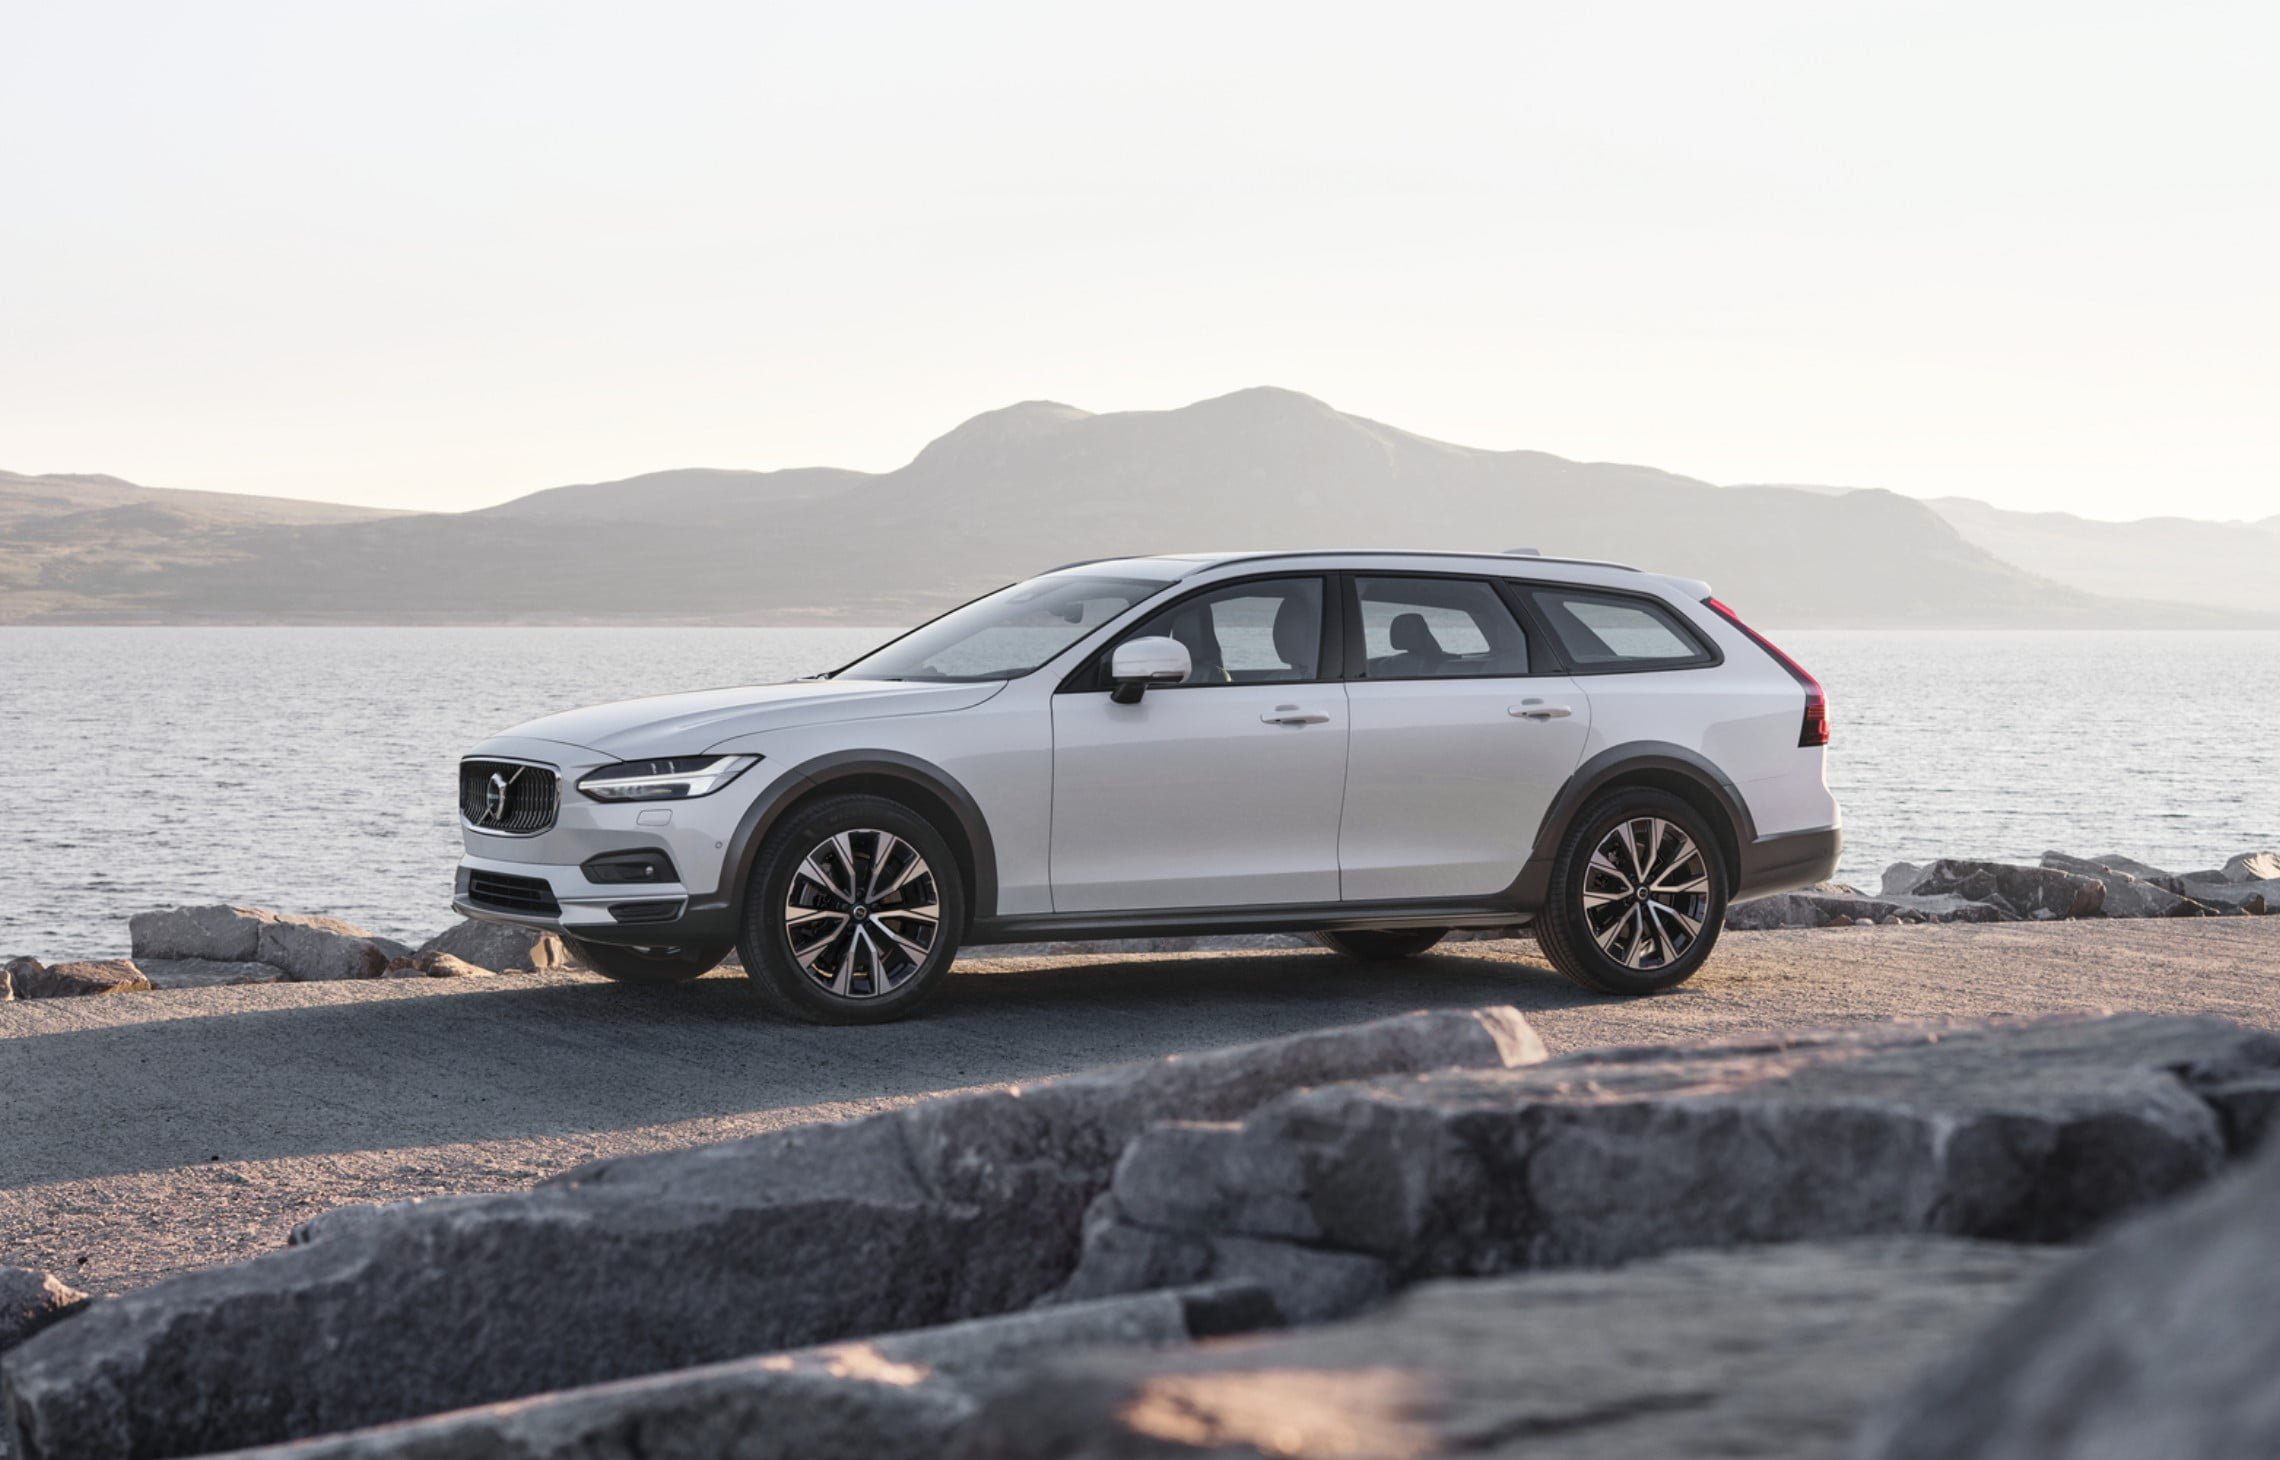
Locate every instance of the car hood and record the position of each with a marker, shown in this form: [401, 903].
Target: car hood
[688, 724]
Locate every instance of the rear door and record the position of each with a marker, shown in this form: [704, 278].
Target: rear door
[1458, 744]
[1220, 792]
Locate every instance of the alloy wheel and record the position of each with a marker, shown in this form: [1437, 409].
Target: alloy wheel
[862, 913]
[1646, 893]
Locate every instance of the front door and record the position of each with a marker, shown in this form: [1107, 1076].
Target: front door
[1222, 791]
[1457, 748]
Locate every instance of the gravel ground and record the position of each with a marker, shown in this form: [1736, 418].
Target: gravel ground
[145, 1134]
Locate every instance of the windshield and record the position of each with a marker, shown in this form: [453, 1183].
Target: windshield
[1007, 634]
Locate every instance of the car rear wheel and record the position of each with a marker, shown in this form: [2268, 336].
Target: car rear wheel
[1637, 896]
[1381, 945]
[853, 913]
[649, 967]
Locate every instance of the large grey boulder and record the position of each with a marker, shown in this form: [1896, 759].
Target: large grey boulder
[951, 1209]
[1819, 909]
[2037, 1130]
[2235, 888]
[30, 1301]
[318, 949]
[2254, 867]
[901, 1395]
[2129, 895]
[1770, 1352]
[2024, 892]
[218, 934]
[2161, 1342]
[499, 948]
[77, 980]
[306, 948]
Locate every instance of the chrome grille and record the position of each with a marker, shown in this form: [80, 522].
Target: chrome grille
[507, 796]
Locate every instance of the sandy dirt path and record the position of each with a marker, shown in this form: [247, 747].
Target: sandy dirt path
[144, 1134]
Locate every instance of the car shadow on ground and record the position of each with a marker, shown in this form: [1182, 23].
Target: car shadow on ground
[523, 1057]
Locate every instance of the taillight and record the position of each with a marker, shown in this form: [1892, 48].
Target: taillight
[1815, 730]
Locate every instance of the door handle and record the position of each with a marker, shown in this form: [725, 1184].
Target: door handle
[1292, 715]
[1538, 710]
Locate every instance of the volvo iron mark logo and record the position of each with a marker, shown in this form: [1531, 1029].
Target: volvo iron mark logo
[495, 798]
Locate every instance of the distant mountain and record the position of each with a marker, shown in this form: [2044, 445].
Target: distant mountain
[2230, 565]
[69, 543]
[1019, 489]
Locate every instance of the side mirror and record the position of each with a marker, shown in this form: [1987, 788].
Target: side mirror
[1138, 663]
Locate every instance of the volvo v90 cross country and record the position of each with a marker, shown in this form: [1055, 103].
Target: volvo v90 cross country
[1373, 747]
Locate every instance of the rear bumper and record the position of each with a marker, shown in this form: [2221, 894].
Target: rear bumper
[1787, 862]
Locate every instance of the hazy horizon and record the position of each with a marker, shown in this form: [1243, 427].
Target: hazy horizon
[435, 256]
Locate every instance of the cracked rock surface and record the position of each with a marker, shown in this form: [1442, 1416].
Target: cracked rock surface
[2023, 1130]
[2161, 1341]
[1771, 1352]
[953, 1209]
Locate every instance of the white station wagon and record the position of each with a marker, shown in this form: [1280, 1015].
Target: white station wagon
[1372, 747]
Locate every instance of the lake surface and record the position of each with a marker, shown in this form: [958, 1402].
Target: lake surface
[312, 770]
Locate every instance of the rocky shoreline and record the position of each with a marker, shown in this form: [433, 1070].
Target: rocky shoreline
[201, 947]
[2063, 886]
[1422, 1235]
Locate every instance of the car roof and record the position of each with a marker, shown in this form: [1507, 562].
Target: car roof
[1180, 565]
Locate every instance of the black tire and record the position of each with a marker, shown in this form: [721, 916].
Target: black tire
[1594, 928]
[647, 967]
[1381, 945]
[817, 969]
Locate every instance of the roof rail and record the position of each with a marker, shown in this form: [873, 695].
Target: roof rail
[1530, 553]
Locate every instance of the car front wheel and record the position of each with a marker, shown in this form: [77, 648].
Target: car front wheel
[649, 967]
[1637, 896]
[853, 913]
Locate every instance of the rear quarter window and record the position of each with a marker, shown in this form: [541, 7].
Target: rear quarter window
[1616, 631]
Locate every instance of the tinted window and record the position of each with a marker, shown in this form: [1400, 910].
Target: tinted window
[1251, 633]
[1610, 631]
[1438, 628]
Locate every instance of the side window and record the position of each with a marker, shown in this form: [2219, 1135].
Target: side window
[1438, 628]
[1249, 633]
[1609, 631]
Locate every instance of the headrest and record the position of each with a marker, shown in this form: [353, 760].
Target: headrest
[1411, 636]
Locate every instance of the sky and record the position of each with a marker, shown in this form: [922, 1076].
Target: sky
[436, 255]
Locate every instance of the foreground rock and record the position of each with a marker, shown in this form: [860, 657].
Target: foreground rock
[30, 1301]
[1772, 1352]
[2162, 1341]
[900, 1395]
[2036, 1131]
[497, 948]
[952, 1209]
[305, 948]
[77, 980]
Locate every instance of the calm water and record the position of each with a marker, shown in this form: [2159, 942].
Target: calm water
[311, 770]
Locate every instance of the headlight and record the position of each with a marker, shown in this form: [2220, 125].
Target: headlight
[666, 780]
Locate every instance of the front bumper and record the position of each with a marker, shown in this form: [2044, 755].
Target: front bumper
[656, 914]
[545, 872]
